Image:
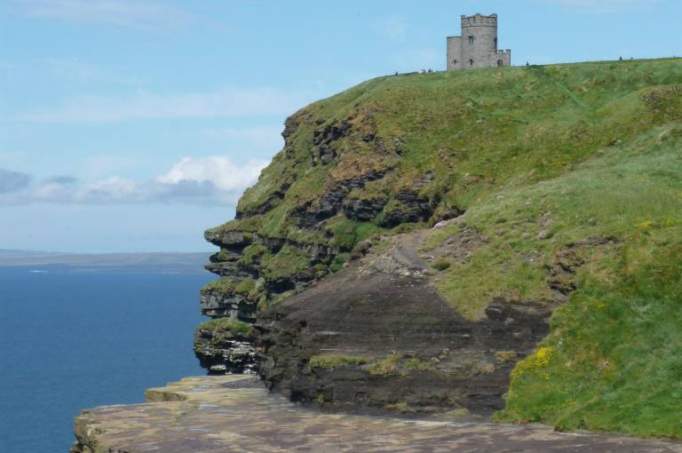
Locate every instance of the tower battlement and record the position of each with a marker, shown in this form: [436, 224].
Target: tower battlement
[477, 46]
[479, 20]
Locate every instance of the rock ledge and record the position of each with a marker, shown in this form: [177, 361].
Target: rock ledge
[235, 413]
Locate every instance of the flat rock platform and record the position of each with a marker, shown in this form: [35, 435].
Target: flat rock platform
[237, 414]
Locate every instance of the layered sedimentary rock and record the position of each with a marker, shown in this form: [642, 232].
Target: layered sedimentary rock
[284, 239]
[379, 336]
[225, 346]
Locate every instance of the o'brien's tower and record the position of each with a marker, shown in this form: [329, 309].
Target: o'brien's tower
[477, 47]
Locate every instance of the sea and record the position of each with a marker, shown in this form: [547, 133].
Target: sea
[72, 339]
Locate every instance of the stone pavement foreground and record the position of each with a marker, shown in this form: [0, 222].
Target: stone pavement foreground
[236, 414]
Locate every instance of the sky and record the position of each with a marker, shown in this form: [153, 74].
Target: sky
[134, 125]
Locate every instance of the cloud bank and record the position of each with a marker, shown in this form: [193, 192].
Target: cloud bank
[209, 180]
[12, 181]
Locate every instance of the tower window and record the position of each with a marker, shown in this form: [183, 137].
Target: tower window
[454, 61]
[500, 63]
[471, 62]
[495, 43]
[471, 39]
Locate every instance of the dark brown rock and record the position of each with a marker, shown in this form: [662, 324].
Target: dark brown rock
[418, 352]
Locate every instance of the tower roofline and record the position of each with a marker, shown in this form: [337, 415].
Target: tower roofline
[464, 16]
[479, 20]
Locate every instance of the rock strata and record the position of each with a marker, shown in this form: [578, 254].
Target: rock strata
[378, 336]
[260, 265]
[224, 349]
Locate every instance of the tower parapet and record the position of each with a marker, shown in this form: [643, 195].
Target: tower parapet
[479, 20]
[477, 46]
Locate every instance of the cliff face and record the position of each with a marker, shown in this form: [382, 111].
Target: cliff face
[378, 335]
[409, 247]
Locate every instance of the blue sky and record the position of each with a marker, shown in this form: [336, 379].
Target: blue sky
[133, 125]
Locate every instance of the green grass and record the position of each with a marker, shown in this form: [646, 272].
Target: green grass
[228, 285]
[331, 361]
[288, 261]
[347, 233]
[252, 254]
[398, 365]
[623, 190]
[612, 359]
[228, 326]
[475, 131]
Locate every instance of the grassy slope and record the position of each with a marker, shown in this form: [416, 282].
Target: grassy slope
[612, 360]
[476, 131]
[539, 157]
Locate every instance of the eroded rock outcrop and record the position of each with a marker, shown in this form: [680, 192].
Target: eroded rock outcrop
[225, 346]
[379, 336]
[281, 243]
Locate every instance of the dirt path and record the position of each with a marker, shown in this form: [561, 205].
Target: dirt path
[235, 414]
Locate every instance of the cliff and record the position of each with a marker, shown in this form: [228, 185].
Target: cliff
[497, 241]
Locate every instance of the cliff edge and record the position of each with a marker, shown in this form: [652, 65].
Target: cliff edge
[502, 241]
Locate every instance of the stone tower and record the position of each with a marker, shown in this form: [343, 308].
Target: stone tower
[477, 46]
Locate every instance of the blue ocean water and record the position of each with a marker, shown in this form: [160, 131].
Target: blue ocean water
[70, 340]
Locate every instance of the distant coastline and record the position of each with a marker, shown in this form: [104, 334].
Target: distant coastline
[164, 262]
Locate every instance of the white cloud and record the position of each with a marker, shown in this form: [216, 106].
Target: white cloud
[208, 180]
[219, 171]
[144, 106]
[114, 189]
[143, 14]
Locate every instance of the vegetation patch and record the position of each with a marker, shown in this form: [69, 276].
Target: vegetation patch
[287, 262]
[331, 361]
[226, 326]
[228, 286]
[399, 365]
[612, 361]
[441, 264]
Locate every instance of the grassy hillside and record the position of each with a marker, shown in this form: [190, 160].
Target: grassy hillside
[612, 360]
[582, 160]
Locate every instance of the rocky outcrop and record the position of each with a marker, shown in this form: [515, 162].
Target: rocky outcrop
[258, 266]
[225, 347]
[216, 303]
[323, 140]
[251, 275]
[378, 336]
[407, 207]
[334, 199]
[364, 209]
